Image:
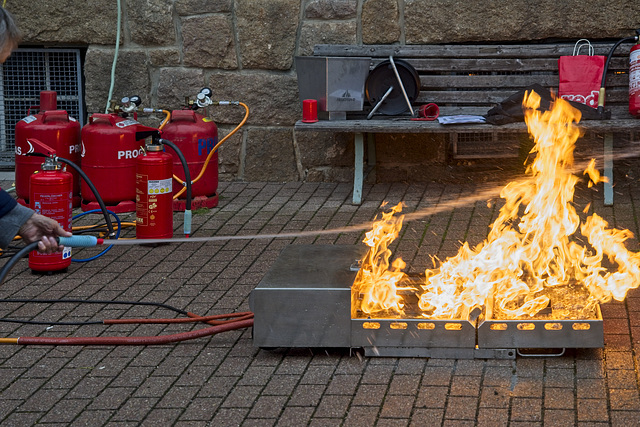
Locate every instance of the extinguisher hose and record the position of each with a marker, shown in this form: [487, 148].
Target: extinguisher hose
[187, 181]
[602, 93]
[93, 188]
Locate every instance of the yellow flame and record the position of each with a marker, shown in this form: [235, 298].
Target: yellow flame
[531, 248]
[376, 285]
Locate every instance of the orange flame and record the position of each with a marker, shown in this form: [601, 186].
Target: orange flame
[530, 255]
[376, 286]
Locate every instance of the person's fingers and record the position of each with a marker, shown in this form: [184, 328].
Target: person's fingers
[48, 244]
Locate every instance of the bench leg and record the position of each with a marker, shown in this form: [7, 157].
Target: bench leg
[608, 169]
[358, 168]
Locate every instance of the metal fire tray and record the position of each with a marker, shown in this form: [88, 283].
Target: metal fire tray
[304, 300]
[414, 337]
[542, 333]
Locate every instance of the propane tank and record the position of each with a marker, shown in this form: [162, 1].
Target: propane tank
[195, 135]
[55, 128]
[109, 152]
[154, 175]
[50, 194]
[634, 80]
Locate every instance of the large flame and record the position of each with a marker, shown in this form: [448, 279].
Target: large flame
[531, 259]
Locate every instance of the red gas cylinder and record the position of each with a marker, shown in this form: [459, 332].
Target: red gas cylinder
[109, 152]
[50, 194]
[634, 81]
[154, 198]
[195, 135]
[56, 129]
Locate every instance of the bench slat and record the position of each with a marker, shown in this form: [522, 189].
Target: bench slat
[543, 50]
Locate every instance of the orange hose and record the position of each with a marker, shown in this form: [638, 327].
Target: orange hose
[213, 150]
[166, 119]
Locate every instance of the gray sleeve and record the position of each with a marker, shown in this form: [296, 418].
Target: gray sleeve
[11, 223]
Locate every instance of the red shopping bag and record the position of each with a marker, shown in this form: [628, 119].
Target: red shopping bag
[581, 75]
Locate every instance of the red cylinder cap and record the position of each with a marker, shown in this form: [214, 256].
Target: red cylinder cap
[48, 100]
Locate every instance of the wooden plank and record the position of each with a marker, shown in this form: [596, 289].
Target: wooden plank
[542, 50]
[470, 65]
[493, 81]
[434, 82]
[405, 125]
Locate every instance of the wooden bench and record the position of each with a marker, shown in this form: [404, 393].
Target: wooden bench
[471, 79]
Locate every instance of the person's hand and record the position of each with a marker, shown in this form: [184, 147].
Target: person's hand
[40, 227]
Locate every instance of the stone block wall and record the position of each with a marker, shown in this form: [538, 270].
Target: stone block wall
[244, 49]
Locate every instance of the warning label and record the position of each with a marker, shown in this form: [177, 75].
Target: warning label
[159, 186]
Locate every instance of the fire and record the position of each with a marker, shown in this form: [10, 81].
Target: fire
[377, 284]
[532, 261]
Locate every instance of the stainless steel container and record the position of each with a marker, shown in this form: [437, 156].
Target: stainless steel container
[337, 83]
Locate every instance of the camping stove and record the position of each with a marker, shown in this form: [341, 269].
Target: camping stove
[304, 300]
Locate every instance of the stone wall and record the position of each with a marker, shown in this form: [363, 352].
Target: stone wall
[244, 50]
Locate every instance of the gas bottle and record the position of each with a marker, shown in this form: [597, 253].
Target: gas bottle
[50, 194]
[154, 174]
[109, 152]
[195, 135]
[56, 129]
[634, 80]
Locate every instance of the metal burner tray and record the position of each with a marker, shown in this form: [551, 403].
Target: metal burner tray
[304, 300]
[534, 333]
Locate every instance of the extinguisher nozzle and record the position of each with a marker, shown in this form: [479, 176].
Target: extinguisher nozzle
[79, 241]
[187, 222]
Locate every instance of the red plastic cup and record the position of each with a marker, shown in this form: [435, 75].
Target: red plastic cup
[309, 111]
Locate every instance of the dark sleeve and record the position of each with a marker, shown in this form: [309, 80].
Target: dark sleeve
[6, 203]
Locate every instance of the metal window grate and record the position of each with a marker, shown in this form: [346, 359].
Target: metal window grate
[486, 145]
[23, 76]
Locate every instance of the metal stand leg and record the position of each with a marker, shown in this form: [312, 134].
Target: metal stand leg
[358, 168]
[608, 168]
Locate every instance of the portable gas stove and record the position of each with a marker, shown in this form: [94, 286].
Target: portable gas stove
[304, 300]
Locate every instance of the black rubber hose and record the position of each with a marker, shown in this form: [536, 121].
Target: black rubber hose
[14, 259]
[93, 188]
[185, 166]
[613, 49]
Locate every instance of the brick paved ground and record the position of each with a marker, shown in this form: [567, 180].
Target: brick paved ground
[224, 381]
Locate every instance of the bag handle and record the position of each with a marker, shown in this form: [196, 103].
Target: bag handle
[579, 44]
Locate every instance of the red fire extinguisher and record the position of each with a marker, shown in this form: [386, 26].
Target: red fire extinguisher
[51, 195]
[634, 80]
[154, 195]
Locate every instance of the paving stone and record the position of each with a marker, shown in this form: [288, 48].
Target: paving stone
[592, 410]
[306, 395]
[493, 417]
[397, 406]
[559, 417]
[526, 409]
[559, 398]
